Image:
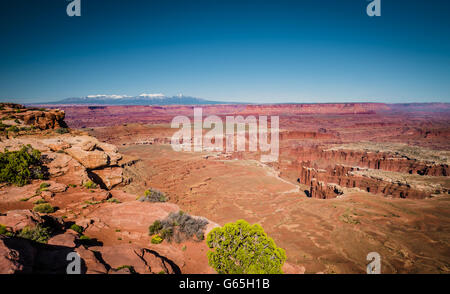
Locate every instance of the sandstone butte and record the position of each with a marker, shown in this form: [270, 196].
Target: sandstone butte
[116, 223]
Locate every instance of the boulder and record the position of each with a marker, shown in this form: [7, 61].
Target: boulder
[18, 219]
[89, 159]
[16, 256]
[91, 263]
[110, 176]
[67, 239]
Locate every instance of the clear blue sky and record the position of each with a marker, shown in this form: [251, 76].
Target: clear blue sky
[246, 51]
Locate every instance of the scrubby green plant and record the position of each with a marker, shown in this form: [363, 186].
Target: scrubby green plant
[113, 200]
[39, 201]
[153, 195]
[129, 267]
[62, 131]
[90, 185]
[43, 186]
[13, 129]
[155, 227]
[44, 208]
[85, 238]
[179, 226]
[241, 248]
[77, 228]
[157, 239]
[2, 229]
[38, 234]
[92, 202]
[19, 167]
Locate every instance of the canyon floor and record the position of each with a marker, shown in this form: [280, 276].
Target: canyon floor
[350, 179]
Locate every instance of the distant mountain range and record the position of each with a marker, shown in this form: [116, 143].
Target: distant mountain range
[143, 99]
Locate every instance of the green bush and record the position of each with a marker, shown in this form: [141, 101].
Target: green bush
[157, 239]
[90, 185]
[38, 234]
[19, 167]
[153, 195]
[155, 227]
[40, 201]
[77, 228]
[241, 248]
[2, 229]
[13, 129]
[44, 208]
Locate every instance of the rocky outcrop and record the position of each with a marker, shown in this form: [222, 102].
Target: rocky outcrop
[108, 177]
[319, 158]
[42, 119]
[18, 255]
[76, 158]
[328, 183]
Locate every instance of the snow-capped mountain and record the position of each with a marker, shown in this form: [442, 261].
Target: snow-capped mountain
[142, 99]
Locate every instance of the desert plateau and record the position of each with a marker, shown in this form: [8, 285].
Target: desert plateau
[350, 179]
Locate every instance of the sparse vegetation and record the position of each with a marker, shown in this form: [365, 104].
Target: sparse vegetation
[129, 267]
[241, 248]
[90, 185]
[113, 200]
[179, 226]
[13, 129]
[38, 234]
[77, 228]
[19, 167]
[153, 195]
[39, 201]
[2, 229]
[157, 239]
[349, 219]
[44, 208]
[62, 131]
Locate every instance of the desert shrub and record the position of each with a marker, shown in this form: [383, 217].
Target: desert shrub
[77, 228]
[129, 267]
[62, 131]
[19, 167]
[155, 227]
[38, 234]
[157, 239]
[3, 126]
[241, 248]
[85, 238]
[13, 129]
[2, 229]
[43, 186]
[44, 208]
[90, 185]
[40, 201]
[113, 200]
[153, 195]
[179, 226]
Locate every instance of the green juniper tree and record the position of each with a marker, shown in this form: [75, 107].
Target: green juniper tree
[241, 248]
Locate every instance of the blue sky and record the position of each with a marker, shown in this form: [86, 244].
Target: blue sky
[246, 51]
